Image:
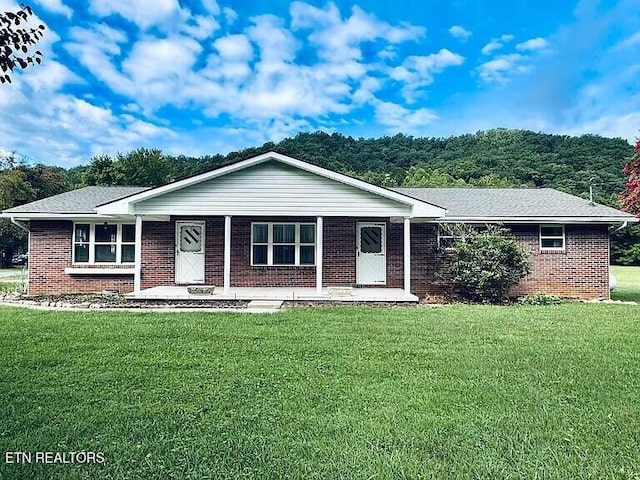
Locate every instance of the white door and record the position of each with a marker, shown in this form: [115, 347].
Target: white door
[371, 265]
[190, 252]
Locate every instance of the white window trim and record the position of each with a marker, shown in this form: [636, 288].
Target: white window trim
[552, 237]
[92, 244]
[270, 244]
[442, 234]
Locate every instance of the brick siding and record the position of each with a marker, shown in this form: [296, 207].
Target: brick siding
[582, 270]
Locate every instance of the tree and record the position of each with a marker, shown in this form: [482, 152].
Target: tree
[144, 167]
[631, 196]
[15, 42]
[100, 172]
[486, 263]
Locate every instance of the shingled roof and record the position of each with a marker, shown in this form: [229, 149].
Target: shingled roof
[462, 203]
[83, 200]
[505, 203]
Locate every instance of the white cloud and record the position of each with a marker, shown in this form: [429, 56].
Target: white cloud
[496, 44]
[211, 6]
[500, 68]
[532, 44]
[338, 39]
[200, 27]
[459, 32]
[630, 41]
[143, 13]
[55, 6]
[95, 48]
[234, 47]
[399, 119]
[614, 125]
[230, 15]
[417, 72]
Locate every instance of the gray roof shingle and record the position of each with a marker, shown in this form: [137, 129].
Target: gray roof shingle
[459, 202]
[511, 202]
[83, 200]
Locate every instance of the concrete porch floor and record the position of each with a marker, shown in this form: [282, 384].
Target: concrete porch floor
[276, 293]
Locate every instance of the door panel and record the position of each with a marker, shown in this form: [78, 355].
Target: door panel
[371, 264]
[190, 252]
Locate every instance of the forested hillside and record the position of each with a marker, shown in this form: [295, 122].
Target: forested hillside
[488, 158]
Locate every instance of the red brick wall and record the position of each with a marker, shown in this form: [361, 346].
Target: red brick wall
[581, 271]
[50, 253]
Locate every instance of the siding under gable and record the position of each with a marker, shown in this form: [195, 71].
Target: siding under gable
[272, 188]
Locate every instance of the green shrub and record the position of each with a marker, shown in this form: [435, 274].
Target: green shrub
[485, 264]
[541, 299]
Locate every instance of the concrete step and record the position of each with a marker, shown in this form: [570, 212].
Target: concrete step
[266, 304]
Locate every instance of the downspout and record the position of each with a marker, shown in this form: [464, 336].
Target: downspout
[624, 225]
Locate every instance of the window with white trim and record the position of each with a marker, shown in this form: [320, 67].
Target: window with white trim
[274, 243]
[104, 243]
[552, 238]
[446, 237]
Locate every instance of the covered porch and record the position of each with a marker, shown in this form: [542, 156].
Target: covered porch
[327, 294]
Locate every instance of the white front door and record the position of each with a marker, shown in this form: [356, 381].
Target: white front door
[371, 265]
[190, 252]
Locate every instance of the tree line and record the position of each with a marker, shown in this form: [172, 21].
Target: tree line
[493, 158]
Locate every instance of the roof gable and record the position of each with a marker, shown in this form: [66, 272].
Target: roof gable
[272, 184]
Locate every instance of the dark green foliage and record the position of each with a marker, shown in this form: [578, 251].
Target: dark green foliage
[487, 263]
[493, 158]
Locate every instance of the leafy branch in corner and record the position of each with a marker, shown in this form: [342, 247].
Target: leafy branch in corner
[631, 196]
[15, 42]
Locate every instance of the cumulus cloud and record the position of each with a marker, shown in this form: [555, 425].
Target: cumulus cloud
[417, 72]
[55, 6]
[500, 68]
[459, 32]
[532, 44]
[400, 119]
[496, 44]
[339, 39]
[143, 13]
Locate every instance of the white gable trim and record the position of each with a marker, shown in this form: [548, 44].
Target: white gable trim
[419, 208]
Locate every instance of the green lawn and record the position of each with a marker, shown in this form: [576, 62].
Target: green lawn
[628, 288]
[451, 392]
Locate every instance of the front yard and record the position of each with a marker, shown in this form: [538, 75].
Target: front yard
[451, 392]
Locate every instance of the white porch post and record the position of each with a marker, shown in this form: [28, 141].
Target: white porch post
[319, 255]
[227, 253]
[407, 256]
[137, 274]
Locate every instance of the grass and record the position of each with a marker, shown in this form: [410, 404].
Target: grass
[628, 288]
[353, 393]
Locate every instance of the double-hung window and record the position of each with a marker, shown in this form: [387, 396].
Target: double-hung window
[283, 243]
[104, 243]
[552, 238]
[446, 238]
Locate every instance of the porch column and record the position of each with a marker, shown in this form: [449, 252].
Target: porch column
[407, 256]
[137, 274]
[319, 255]
[227, 253]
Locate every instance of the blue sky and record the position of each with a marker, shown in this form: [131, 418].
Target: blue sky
[211, 76]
